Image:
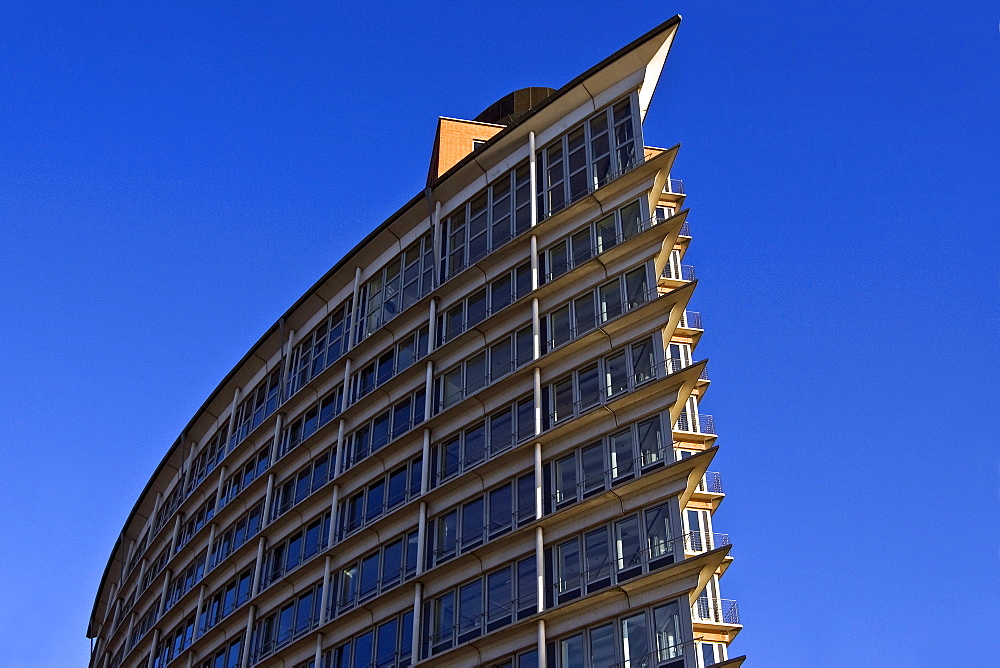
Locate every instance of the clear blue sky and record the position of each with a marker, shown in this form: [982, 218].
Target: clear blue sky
[173, 177]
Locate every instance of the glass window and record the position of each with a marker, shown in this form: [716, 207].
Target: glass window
[470, 610]
[667, 627]
[658, 539]
[611, 301]
[622, 455]
[385, 645]
[602, 647]
[627, 543]
[635, 640]
[571, 651]
[597, 553]
[568, 566]
[472, 523]
[589, 386]
[499, 597]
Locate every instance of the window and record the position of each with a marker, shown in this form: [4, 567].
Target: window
[494, 362]
[606, 302]
[389, 645]
[481, 519]
[259, 403]
[484, 604]
[238, 533]
[603, 380]
[318, 349]
[483, 440]
[483, 303]
[250, 471]
[395, 360]
[404, 280]
[380, 497]
[612, 554]
[487, 221]
[299, 486]
[644, 639]
[191, 525]
[597, 237]
[223, 601]
[227, 656]
[184, 580]
[384, 427]
[208, 457]
[291, 620]
[310, 420]
[587, 157]
[302, 545]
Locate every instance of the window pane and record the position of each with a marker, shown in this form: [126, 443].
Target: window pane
[586, 314]
[589, 385]
[475, 373]
[571, 651]
[622, 454]
[566, 479]
[568, 565]
[611, 301]
[630, 217]
[642, 361]
[635, 640]
[627, 543]
[658, 537]
[470, 607]
[499, 595]
[385, 648]
[615, 375]
[501, 509]
[597, 552]
[472, 523]
[606, 237]
[651, 448]
[636, 287]
[602, 647]
[667, 623]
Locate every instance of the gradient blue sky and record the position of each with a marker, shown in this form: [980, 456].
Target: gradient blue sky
[173, 177]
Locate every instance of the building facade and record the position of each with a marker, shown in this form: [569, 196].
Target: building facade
[475, 441]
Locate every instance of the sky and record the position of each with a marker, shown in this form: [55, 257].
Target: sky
[173, 176]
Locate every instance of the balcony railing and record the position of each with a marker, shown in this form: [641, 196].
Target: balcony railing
[704, 425]
[675, 186]
[685, 230]
[703, 541]
[691, 320]
[719, 611]
[686, 273]
[712, 482]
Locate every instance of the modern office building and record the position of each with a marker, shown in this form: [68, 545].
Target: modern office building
[475, 441]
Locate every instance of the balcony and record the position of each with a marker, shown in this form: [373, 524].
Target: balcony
[690, 320]
[675, 186]
[685, 273]
[697, 542]
[685, 230]
[717, 611]
[705, 424]
[711, 483]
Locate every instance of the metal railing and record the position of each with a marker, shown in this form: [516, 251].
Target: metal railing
[711, 482]
[703, 541]
[686, 273]
[719, 611]
[685, 230]
[675, 186]
[691, 320]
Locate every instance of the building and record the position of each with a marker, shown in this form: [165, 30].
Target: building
[475, 441]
